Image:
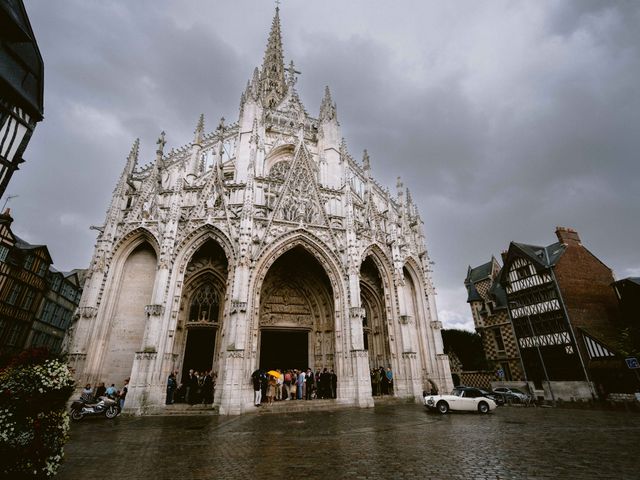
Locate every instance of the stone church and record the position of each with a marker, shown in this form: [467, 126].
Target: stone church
[260, 244]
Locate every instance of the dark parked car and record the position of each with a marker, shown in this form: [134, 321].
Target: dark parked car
[496, 397]
[512, 395]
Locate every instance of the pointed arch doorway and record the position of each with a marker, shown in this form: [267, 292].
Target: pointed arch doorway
[297, 329]
[374, 326]
[202, 308]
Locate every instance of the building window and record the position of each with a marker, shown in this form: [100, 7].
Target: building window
[14, 334]
[42, 269]
[28, 262]
[15, 293]
[523, 272]
[47, 312]
[497, 335]
[204, 306]
[4, 251]
[28, 299]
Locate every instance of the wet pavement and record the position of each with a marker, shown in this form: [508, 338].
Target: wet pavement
[392, 441]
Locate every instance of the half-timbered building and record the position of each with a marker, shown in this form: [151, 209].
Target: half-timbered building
[21, 87]
[564, 315]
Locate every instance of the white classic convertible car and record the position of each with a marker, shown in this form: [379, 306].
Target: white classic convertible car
[461, 398]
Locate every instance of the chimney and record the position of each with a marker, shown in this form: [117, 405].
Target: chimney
[503, 254]
[6, 217]
[567, 236]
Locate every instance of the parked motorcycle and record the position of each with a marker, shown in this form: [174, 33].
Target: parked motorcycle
[104, 406]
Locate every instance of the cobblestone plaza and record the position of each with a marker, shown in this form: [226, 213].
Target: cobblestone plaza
[391, 441]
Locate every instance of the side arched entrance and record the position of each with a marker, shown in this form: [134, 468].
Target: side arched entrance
[201, 309]
[374, 322]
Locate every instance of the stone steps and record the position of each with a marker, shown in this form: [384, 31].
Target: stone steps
[185, 409]
[287, 406]
[282, 406]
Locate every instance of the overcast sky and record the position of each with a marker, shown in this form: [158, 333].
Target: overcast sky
[504, 118]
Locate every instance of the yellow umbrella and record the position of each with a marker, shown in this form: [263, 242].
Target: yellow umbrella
[273, 373]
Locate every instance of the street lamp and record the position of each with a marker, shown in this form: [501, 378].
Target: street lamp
[537, 344]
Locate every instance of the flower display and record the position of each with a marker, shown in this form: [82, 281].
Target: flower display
[34, 424]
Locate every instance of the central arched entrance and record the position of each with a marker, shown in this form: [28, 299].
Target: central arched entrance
[296, 314]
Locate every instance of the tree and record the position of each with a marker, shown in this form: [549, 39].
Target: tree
[467, 346]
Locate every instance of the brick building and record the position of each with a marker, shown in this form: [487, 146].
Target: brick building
[564, 314]
[488, 302]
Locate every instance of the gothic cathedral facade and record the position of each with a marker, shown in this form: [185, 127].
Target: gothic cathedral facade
[262, 244]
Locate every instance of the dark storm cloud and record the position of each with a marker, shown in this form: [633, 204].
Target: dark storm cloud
[504, 118]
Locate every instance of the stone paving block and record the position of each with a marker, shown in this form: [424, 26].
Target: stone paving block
[394, 442]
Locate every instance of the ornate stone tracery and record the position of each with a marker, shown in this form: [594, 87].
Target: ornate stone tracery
[261, 226]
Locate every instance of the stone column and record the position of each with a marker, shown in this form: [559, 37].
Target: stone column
[234, 390]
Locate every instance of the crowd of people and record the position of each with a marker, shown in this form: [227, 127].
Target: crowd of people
[196, 387]
[268, 386]
[381, 381]
[88, 395]
[280, 385]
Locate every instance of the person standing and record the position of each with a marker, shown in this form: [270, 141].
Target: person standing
[257, 388]
[389, 374]
[271, 389]
[188, 382]
[171, 387]
[309, 384]
[334, 384]
[375, 383]
[123, 393]
[325, 384]
[279, 382]
[384, 383]
[301, 379]
[287, 384]
[207, 388]
[294, 385]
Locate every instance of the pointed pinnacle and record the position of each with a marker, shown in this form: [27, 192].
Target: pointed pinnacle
[161, 143]
[135, 149]
[327, 107]
[199, 131]
[343, 146]
[327, 95]
[365, 160]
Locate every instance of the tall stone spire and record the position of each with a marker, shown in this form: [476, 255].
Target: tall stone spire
[273, 85]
